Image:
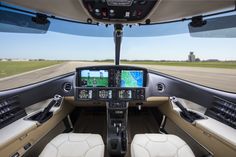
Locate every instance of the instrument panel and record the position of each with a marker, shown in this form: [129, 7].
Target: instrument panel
[110, 83]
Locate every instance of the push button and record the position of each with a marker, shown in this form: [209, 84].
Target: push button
[16, 155]
[27, 146]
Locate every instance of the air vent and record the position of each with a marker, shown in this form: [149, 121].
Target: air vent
[67, 87]
[10, 111]
[223, 111]
[160, 87]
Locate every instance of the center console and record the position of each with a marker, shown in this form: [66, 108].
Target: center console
[117, 120]
[117, 86]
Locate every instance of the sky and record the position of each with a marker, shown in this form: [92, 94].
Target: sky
[60, 46]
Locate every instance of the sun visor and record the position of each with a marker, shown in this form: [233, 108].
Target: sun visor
[218, 27]
[16, 22]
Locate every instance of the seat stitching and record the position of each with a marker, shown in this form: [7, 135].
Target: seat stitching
[92, 148]
[174, 144]
[87, 141]
[177, 147]
[57, 147]
[88, 136]
[54, 147]
[146, 146]
[75, 142]
[146, 143]
[155, 141]
[88, 148]
[143, 148]
[181, 147]
[62, 142]
[78, 141]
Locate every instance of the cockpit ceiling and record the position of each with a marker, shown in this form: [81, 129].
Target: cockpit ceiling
[162, 11]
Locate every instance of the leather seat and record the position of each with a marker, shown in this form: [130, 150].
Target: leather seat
[74, 145]
[159, 145]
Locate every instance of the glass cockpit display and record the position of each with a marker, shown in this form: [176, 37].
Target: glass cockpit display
[120, 78]
[85, 94]
[94, 78]
[131, 78]
[125, 94]
[105, 94]
[110, 83]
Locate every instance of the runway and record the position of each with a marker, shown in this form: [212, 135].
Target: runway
[224, 79]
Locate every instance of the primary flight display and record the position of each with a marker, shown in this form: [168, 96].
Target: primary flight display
[94, 78]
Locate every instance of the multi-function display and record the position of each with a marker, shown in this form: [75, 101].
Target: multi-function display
[131, 78]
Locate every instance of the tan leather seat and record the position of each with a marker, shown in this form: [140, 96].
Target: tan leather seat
[159, 145]
[74, 145]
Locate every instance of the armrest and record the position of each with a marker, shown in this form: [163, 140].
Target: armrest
[218, 130]
[15, 130]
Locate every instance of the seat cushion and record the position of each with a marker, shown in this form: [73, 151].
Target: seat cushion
[74, 145]
[159, 145]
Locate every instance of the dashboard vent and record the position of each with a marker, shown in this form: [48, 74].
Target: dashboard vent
[67, 87]
[10, 111]
[223, 111]
[160, 87]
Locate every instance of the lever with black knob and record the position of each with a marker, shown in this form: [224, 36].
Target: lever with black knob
[185, 112]
[47, 109]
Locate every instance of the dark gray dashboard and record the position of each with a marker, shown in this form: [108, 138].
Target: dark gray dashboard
[155, 84]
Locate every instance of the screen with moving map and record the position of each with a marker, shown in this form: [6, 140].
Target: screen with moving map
[131, 78]
[94, 78]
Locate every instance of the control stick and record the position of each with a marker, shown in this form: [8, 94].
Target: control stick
[44, 113]
[183, 109]
[118, 127]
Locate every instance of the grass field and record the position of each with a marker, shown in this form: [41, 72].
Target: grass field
[227, 65]
[8, 68]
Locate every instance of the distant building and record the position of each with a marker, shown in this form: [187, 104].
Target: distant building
[4, 59]
[19, 59]
[212, 60]
[197, 60]
[191, 57]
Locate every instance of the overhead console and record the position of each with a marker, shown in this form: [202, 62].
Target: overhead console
[122, 10]
[110, 83]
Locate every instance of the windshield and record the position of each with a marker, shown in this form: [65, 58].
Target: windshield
[27, 58]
